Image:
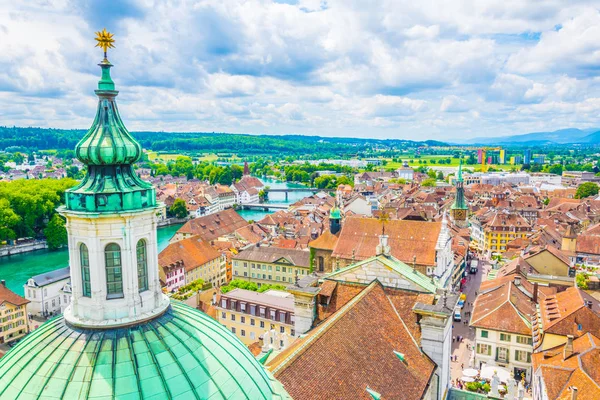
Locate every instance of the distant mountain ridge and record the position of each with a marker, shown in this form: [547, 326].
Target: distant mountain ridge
[561, 136]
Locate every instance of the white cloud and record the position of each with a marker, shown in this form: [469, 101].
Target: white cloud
[454, 103]
[392, 68]
[573, 48]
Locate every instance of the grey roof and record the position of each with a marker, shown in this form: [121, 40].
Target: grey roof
[300, 258]
[271, 299]
[51, 277]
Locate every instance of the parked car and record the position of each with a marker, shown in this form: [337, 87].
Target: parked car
[457, 316]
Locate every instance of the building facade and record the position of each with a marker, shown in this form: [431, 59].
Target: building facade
[271, 265]
[45, 292]
[508, 350]
[249, 315]
[13, 315]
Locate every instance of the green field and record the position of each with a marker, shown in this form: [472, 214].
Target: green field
[454, 162]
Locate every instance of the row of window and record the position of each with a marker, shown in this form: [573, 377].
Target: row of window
[503, 354]
[252, 321]
[505, 337]
[267, 277]
[252, 310]
[114, 269]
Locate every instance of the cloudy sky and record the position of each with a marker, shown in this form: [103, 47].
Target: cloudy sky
[389, 69]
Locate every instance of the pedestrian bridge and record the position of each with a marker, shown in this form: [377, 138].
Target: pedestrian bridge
[265, 206]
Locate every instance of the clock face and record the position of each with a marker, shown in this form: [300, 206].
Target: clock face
[459, 214]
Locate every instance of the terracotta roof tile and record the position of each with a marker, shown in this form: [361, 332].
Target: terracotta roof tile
[406, 239]
[354, 349]
[7, 295]
[215, 225]
[193, 251]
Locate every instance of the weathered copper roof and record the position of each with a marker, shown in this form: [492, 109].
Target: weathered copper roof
[181, 354]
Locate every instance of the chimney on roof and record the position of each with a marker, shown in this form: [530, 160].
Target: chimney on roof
[568, 352]
[588, 303]
[518, 269]
[535, 292]
[573, 392]
[518, 280]
[3, 282]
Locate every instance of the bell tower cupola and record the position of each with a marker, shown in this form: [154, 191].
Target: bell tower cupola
[111, 222]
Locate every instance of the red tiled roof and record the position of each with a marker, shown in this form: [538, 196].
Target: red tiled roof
[327, 241]
[215, 225]
[353, 349]
[406, 239]
[193, 251]
[8, 296]
[577, 370]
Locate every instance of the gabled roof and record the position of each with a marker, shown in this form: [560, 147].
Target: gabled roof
[8, 296]
[502, 306]
[353, 349]
[579, 369]
[193, 252]
[327, 241]
[562, 313]
[408, 273]
[359, 237]
[215, 225]
[52, 276]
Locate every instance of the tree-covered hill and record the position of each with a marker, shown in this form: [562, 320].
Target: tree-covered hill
[203, 142]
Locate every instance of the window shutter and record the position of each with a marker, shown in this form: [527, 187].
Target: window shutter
[496, 353]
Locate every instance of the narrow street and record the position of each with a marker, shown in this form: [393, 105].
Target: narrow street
[464, 349]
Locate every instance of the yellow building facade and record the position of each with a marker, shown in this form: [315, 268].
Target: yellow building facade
[269, 265]
[250, 314]
[13, 315]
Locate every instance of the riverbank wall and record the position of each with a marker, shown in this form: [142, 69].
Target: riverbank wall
[22, 248]
[171, 221]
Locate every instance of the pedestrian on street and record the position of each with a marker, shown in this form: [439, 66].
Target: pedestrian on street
[462, 366]
[453, 339]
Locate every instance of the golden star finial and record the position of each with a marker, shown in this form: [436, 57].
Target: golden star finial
[105, 40]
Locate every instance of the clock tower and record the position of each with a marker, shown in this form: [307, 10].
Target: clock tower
[459, 209]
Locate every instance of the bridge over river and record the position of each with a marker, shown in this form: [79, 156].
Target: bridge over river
[288, 190]
[265, 206]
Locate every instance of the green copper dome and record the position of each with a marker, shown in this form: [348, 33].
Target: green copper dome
[183, 354]
[109, 151]
[335, 213]
[107, 142]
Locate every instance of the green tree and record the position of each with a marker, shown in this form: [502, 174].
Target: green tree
[56, 233]
[582, 280]
[236, 171]
[179, 209]
[440, 176]
[556, 169]
[586, 189]
[428, 182]
[8, 220]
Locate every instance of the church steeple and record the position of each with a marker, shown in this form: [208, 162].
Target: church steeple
[459, 208]
[109, 151]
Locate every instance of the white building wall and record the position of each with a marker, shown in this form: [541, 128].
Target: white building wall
[493, 340]
[96, 231]
[44, 298]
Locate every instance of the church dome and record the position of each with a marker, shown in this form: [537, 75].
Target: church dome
[182, 354]
[107, 142]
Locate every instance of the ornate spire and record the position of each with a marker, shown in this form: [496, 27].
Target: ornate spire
[109, 150]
